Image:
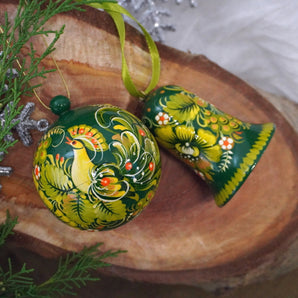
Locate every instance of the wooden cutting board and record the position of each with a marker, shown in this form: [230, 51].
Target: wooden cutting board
[182, 236]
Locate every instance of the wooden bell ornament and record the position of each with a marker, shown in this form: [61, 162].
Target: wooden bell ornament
[220, 148]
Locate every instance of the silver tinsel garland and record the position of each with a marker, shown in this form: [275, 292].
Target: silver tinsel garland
[151, 15]
[22, 124]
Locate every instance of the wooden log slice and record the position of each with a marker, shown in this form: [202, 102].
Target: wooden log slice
[182, 236]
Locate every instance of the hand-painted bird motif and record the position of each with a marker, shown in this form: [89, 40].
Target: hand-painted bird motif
[97, 167]
[98, 182]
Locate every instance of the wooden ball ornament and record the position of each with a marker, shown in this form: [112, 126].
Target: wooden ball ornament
[97, 167]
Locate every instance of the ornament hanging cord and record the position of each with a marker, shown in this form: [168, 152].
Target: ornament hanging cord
[60, 74]
[58, 69]
[116, 11]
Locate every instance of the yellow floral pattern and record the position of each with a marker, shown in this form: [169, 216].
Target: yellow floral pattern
[182, 107]
[211, 142]
[188, 143]
[97, 167]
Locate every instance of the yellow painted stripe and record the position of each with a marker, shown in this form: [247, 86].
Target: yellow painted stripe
[225, 193]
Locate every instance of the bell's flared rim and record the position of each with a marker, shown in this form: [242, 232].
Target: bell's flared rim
[246, 166]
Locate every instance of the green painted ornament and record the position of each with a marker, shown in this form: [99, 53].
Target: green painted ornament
[97, 167]
[220, 148]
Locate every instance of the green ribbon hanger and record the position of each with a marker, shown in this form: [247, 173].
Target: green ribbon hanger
[116, 11]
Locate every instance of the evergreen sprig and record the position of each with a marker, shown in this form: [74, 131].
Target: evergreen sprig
[74, 271]
[6, 228]
[15, 284]
[29, 22]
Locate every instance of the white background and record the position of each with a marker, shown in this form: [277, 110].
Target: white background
[256, 40]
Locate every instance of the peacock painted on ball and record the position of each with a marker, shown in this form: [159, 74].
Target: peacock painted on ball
[97, 167]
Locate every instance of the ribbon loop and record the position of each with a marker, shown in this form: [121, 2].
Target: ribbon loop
[116, 11]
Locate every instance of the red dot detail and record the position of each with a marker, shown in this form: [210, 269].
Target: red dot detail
[105, 181]
[128, 166]
[36, 171]
[89, 134]
[151, 166]
[142, 133]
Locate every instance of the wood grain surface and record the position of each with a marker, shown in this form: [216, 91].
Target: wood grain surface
[182, 236]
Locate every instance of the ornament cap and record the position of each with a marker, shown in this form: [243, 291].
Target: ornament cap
[60, 104]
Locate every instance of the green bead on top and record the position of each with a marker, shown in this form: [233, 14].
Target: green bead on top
[97, 167]
[60, 104]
